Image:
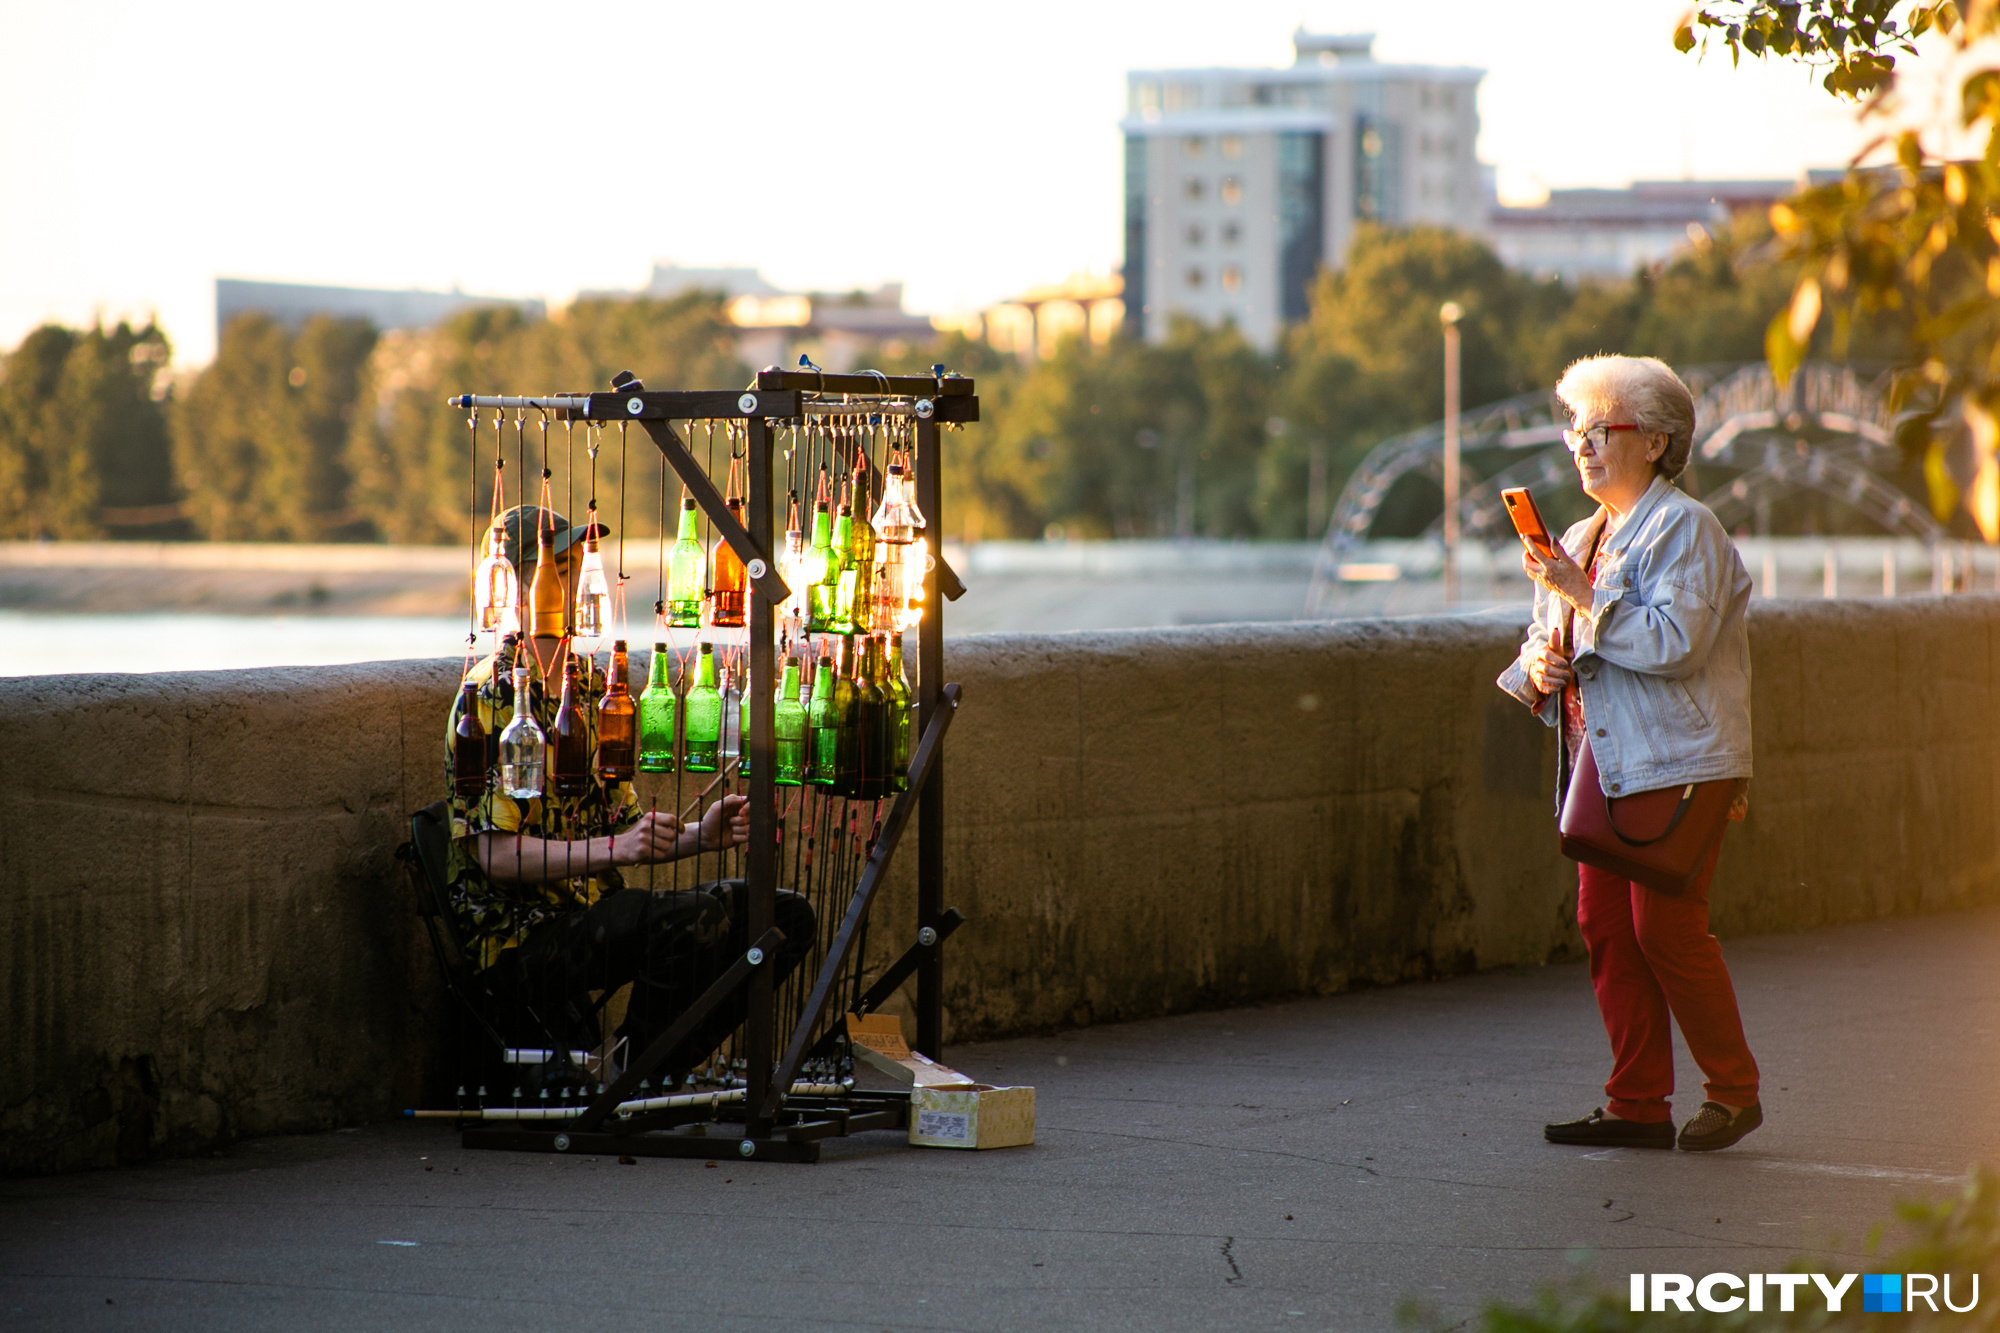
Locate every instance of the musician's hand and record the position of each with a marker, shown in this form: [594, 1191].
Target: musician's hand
[1549, 669]
[723, 825]
[653, 838]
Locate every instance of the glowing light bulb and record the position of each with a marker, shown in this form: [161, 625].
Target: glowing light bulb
[897, 519]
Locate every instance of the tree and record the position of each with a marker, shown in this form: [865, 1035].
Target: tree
[82, 431]
[1916, 244]
[260, 438]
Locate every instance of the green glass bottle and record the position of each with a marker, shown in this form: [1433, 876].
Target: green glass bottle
[685, 570]
[742, 737]
[847, 753]
[857, 578]
[843, 578]
[822, 574]
[871, 724]
[704, 718]
[790, 731]
[824, 724]
[656, 717]
[901, 717]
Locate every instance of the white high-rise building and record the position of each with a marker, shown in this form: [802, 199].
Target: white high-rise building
[1241, 183]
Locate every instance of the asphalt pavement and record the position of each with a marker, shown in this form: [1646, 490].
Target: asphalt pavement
[1308, 1165]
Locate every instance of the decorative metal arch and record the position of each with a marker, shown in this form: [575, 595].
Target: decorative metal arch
[1741, 416]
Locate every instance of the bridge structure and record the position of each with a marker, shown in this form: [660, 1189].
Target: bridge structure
[1827, 431]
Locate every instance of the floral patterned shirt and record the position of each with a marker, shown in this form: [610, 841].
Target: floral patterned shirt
[494, 916]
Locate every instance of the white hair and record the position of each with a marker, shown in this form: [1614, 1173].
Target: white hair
[1644, 389]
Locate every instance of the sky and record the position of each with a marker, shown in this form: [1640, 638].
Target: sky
[968, 151]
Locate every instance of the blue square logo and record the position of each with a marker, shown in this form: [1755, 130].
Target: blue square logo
[1882, 1293]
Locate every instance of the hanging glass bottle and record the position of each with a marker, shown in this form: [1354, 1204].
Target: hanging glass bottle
[734, 711]
[842, 545]
[789, 731]
[791, 568]
[824, 725]
[685, 568]
[617, 723]
[656, 717]
[570, 749]
[496, 592]
[822, 573]
[847, 754]
[901, 718]
[858, 575]
[522, 745]
[729, 577]
[468, 746]
[592, 619]
[871, 724]
[548, 613]
[700, 752]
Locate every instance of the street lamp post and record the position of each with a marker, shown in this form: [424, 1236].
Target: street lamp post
[1449, 315]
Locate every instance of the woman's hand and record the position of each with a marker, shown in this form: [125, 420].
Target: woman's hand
[723, 825]
[1559, 574]
[654, 838]
[1549, 669]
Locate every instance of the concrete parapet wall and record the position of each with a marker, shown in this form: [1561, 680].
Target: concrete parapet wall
[203, 934]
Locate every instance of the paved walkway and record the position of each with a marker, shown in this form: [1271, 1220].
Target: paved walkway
[1306, 1165]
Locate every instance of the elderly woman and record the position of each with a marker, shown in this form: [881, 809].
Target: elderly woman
[1658, 686]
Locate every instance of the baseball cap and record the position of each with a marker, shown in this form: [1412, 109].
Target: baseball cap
[520, 523]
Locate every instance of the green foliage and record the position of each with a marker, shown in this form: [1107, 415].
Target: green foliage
[82, 430]
[408, 450]
[259, 439]
[1855, 41]
[1960, 1236]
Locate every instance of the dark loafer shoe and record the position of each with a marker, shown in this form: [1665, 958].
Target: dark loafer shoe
[1713, 1127]
[1598, 1130]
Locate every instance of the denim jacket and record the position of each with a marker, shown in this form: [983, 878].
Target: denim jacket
[1663, 660]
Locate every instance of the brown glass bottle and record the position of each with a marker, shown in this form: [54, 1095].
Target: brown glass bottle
[617, 723]
[468, 746]
[728, 608]
[569, 741]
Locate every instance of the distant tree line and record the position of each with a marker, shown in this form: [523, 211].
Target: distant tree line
[335, 432]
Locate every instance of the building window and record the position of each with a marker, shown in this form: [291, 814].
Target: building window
[1146, 99]
[1194, 187]
[1232, 191]
[1232, 278]
[1448, 99]
[1378, 161]
[1194, 233]
[1194, 277]
[1194, 145]
[1231, 233]
[1232, 145]
[1135, 235]
[1301, 220]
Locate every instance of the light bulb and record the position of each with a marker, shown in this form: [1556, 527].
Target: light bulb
[897, 519]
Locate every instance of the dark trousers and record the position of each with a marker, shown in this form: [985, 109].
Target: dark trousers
[670, 946]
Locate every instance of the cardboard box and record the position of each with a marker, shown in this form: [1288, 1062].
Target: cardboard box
[975, 1117]
[947, 1109]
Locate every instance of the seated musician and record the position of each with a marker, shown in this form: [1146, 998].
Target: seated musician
[538, 895]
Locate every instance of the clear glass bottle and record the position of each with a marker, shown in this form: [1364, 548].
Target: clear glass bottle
[522, 745]
[704, 718]
[790, 731]
[822, 573]
[734, 712]
[570, 746]
[592, 617]
[791, 568]
[496, 593]
[617, 722]
[468, 746]
[727, 608]
[657, 713]
[685, 567]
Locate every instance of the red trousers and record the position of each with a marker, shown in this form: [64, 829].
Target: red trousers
[1651, 956]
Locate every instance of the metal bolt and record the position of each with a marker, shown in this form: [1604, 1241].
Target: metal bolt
[562, 1143]
[635, 405]
[927, 937]
[747, 404]
[756, 957]
[757, 569]
[748, 1147]
[925, 409]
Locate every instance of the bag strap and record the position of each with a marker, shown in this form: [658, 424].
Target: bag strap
[1680, 811]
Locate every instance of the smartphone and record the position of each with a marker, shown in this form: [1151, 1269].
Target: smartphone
[1528, 521]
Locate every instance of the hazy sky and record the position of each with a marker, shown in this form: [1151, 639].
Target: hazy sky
[967, 150]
